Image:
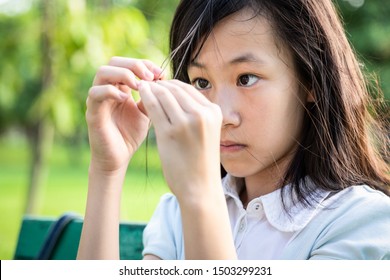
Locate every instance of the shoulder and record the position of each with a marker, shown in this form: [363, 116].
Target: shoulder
[361, 208]
[361, 200]
[168, 203]
[354, 225]
[167, 212]
[162, 236]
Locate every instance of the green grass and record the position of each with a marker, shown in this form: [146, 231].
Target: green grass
[65, 187]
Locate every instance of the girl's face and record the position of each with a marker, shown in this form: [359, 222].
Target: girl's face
[245, 70]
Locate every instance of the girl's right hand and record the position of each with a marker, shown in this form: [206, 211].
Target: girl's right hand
[117, 125]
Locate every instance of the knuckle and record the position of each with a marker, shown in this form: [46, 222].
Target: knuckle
[87, 102]
[147, 62]
[138, 64]
[126, 75]
[88, 116]
[185, 124]
[207, 118]
[113, 60]
[216, 109]
[110, 89]
[101, 70]
[183, 85]
[197, 117]
[150, 105]
[91, 93]
[180, 128]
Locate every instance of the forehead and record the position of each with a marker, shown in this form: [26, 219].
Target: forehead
[241, 34]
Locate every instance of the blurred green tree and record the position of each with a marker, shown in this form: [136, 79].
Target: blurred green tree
[368, 26]
[49, 54]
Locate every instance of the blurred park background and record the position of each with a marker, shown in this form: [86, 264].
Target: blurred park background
[49, 52]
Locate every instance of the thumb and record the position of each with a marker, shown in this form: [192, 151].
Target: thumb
[141, 107]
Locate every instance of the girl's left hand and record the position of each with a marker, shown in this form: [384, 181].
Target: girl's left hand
[188, 128]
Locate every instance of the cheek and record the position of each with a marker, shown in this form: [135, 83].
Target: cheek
[274, 120]
[260, 111]
[259, 121]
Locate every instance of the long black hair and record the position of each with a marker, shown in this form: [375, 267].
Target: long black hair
[342, 144]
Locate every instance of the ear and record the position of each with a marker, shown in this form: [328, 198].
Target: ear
[310, 97]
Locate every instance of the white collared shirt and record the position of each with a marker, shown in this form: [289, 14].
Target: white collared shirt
[265, 222]
[352, 224]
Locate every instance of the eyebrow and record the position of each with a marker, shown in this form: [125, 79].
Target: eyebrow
[244, 58]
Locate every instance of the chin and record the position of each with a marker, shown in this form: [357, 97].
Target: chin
[237, 172]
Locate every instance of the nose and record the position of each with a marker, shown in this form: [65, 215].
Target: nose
[228, 100]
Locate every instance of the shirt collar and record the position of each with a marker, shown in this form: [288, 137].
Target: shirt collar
[298, 215]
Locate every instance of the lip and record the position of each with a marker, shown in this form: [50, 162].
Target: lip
[230, 147]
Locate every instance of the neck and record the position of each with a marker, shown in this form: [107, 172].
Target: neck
[255, 187]
[264, 182]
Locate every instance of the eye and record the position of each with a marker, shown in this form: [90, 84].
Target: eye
[201, 84]
[247, 80]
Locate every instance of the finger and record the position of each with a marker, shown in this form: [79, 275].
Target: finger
[115, 76]
[141, 107]
[98, 94]
[192, 92]
[160, 104]
[183, 96]
[159, 73]
[143, 69]
[169, 102]
[152, 107]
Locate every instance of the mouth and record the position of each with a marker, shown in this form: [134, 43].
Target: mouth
[230, 147]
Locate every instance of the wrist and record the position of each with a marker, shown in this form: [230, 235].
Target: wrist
[204, 218]
[200, 196]
[106, 181]
[96, 170]
[108, 165]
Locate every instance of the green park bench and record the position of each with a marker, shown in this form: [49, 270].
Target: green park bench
[52, 239]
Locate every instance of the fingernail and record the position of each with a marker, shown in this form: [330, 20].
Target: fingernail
[149, 75]
[159, 73]
[157, 70]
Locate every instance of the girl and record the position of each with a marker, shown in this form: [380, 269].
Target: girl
[270, 89]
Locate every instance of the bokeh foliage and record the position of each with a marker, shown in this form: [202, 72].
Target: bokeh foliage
[83, 35]
[368, 27]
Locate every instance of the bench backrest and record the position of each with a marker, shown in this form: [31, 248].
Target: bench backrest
[46, 238]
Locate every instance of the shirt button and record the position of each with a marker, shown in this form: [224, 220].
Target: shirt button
[257, 206]
[242, 226]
